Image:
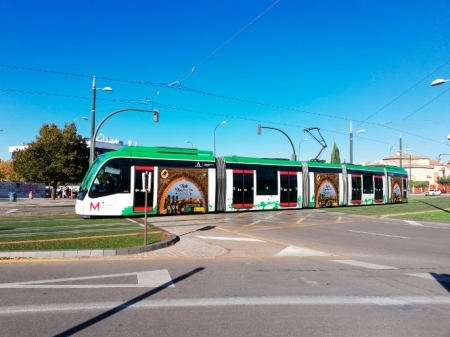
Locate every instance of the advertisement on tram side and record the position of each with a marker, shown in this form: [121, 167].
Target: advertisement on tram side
[182, 191]
[326, 187]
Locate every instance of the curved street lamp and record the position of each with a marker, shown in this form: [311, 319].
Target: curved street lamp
[188, 141]
[224, 122]
[83, 118]
[438, 81]
[299, 147]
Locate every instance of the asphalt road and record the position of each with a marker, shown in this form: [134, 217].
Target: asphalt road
[287, 273]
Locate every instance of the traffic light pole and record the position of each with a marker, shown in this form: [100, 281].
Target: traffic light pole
[94, 136]
[294, 156]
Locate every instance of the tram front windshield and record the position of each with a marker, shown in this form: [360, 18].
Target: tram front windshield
[88, 177]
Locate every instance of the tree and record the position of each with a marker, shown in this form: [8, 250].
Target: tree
[335, 156]
[7, 171]
[57, 156]
[420, 184]
[444, 181]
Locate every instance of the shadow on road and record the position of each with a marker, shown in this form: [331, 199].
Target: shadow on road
[124, 306]
[443, 279]
[434, 206]
[206, 228]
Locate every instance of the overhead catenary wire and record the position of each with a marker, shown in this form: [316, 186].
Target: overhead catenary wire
[423, 106]
[178, 82]
[166, 106]
[409, 89]
[191, 71]
[192, 90]
[207, 93]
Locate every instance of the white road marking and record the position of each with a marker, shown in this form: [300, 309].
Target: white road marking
[363, 264]
[412, 223]
[12, 211]
[297, 251]
[228, 239]
[229, 302]
[437, 277]
[146, 279]
[392, 236]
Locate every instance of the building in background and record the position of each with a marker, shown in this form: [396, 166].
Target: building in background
[102, 145]
[419, 168]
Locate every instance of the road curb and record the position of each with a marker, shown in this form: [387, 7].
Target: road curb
[154, 246]
[86, 253]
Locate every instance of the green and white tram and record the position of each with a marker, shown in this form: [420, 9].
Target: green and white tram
[182, 181]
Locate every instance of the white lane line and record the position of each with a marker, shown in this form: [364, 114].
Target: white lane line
[416, 224]
[12, 211]
[428, 276]
[297, 251]
[412, 223]
[364, 264]
[228, 239]
[392, 236]
[230, 302]
[146, 279]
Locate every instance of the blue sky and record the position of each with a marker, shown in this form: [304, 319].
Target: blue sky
[284, 64]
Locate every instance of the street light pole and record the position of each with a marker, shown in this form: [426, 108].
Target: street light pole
[410, 176]
[299, 147]
[351, 141]
[188, 141]
[94, 90]
[224, 122]
[436, 82]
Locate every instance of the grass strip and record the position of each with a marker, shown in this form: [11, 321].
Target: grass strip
[107, 242]
[24, 223]
[77, 238]
[429, 215]
[56, 229]
[416, 205]
[79, 234]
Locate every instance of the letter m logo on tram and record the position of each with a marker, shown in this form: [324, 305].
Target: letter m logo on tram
[95, 207]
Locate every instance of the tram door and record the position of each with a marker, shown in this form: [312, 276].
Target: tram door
[405, 189]
[378, 188]
[288, 189]
[242, 188]
[142, 181]
[356, 189]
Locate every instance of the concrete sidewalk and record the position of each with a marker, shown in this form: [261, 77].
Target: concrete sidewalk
[36, 202]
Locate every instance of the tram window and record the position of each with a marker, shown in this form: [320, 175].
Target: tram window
[367, 184]
[266, 182]
[111, 178]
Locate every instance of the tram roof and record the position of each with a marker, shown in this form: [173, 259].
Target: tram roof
[162, 152]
